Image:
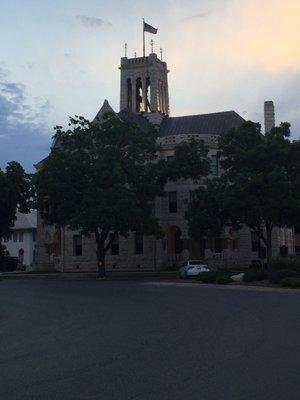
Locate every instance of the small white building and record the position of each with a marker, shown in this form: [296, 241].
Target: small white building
[22, 243]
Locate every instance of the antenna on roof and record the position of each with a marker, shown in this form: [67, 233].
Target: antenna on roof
[125, 49]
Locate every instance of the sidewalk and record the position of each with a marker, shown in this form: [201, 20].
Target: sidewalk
[111, 275]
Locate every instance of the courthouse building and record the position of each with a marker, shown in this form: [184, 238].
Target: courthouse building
[144, 100]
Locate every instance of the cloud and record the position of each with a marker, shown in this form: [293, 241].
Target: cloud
[93, 22]
[269, 38]
[241, 34]
[23, 134]
[197, 16]
[237, 59]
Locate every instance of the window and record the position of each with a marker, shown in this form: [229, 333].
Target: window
[115, 246]
[34, 236]
[255, 242]
[202, 247]
[15, 236]
[77, 245]
[193, 195]
[178, 242]
[232, 244]
[139, 243]
[214, 164]
[219, 245]
[173, 202]
[20, 236]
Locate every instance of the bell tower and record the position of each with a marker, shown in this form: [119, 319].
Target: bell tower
[144, 85]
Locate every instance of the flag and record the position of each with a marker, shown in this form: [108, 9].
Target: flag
[149, 28]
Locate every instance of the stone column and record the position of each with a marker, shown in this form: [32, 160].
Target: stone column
[133, 84]
[164, 98]
[144, 90]
[269, 114]
[123, 84]
[123, 93]
[167, 99]
[154, 92]
[161, 97]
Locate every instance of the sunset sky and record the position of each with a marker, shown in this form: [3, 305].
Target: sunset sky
[61, 57]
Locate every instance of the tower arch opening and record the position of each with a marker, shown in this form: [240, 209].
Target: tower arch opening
[144, 85]
[139, 94]
[129, 95]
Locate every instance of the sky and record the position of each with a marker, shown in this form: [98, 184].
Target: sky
[60, 58]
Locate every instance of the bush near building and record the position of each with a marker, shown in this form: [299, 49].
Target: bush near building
[215, 277]
[287, 263]
[291, 282]
[209, 276]
[278, 276]
[223, 279]
[254, 275]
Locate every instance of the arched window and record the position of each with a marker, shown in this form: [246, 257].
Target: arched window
[139, 95]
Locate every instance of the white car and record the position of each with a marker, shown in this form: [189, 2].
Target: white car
[192, 268]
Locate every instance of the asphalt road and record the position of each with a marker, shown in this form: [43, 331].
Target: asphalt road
[70, 340]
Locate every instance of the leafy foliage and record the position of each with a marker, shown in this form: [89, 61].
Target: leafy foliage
[281, 263]
[190, 161]
[291, 282]
[223, 279]
[278, 276]
[209, 276]
[259, 186]
[253, 275]
[103, 179]
[15, 195]
[206, 213]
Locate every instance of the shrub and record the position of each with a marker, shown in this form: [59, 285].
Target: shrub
[277, 276]
[208, 276]
[253, 275]
[285, 263]
[290, 282]
[223, 279]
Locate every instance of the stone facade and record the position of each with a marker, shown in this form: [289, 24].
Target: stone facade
[144, 85]
[144, 97]
[269, 116]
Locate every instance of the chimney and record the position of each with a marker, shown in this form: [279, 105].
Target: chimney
[269, 116]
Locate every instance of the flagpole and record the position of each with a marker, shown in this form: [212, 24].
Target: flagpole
[144, 52]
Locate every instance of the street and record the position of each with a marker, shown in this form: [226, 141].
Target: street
[70, 340]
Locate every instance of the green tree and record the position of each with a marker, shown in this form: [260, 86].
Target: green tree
[15, 195]
[103, 179]
[258, 188]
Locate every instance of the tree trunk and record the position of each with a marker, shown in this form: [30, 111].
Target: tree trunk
[100, 240]
[102, 249]
[101, 262]
[269, 244]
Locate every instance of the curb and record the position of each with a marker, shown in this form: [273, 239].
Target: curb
[87, 276]
[257, 288]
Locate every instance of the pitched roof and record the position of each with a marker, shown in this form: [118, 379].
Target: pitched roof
[210, 124]
[137, 119]
[26, 221]
[214, 124]
[106, 108]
